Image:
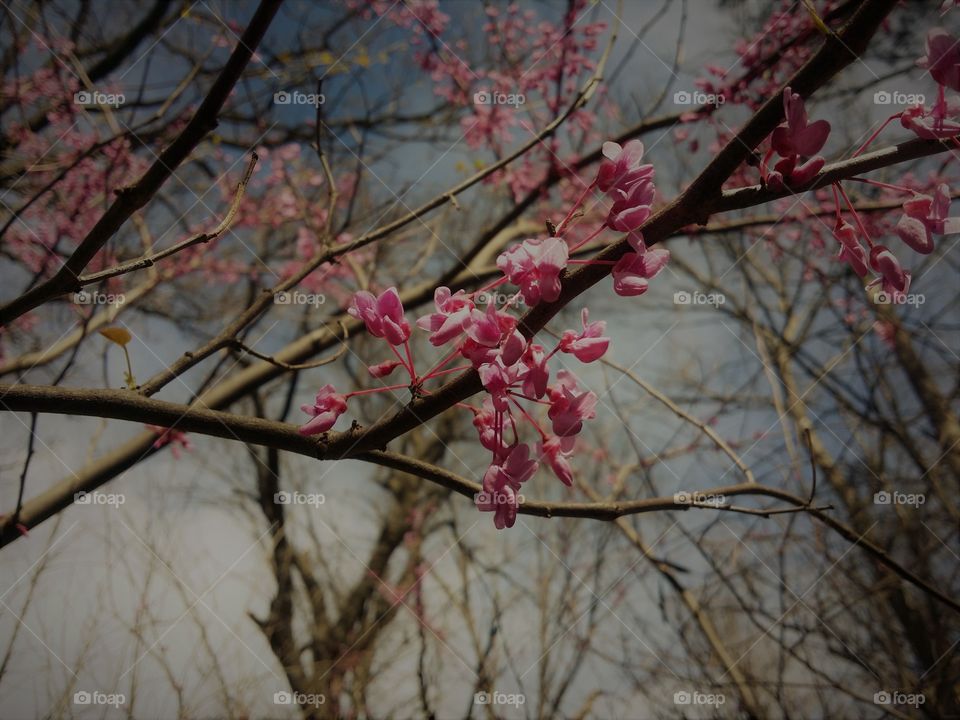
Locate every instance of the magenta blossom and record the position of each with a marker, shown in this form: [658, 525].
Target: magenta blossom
[569, 407]
[796, 136]
[621, 167]
[502, 482]
[631, 206]
[588, 345]
[537, 375]
[925, 216]
[497, 379]
[487, 328]
[328, 406]
[634, 269]
[453, 316]
[851, 251]
[484, 420]
[383, 315]
[940, 121]
[556, 457]
[383, 369]
[535, 266]
[942, 59]
[796, 139]
[176, 439]
[893, 280]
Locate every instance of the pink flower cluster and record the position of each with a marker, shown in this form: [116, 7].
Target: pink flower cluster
[924, 216]
[515, 371]
[797, 142]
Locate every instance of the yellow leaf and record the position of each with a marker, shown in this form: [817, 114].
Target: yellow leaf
[327, 58]
[117, 335]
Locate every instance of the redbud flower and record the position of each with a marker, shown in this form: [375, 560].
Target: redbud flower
[328, 406]
[631, 206]
[501, 483]
[537, 377]
[797, 137]
[451, 318]
[851, 250]
[535, 266]
[383, 315]
[169, 436]
[484, 420]
[383, 369]
[569, 407]
[486, 328]
[942, 59]
[893, 280]
[925, 215]
[940, 121]
[588, 345]
[497, 379]
[557, 459]
[622, 166]
[634, 269]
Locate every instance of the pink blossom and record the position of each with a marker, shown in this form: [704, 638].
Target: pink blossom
[328, 406]
[537, 376]
[893, 280]
[925, 215]
[487, 328]
[622, 166]
[497, 379]
[634, 269]
[503, 503]
[535, 266]
[942, 59]
[631, 206]
[938, 122]
[453, 316]
[383, 315]
[556, 457]
[588, 345]
[502, 481]
[851, 250]
[169, 436]
[797, 137]
[484, 420]
[796, 174]
[512, 348]
[383, 369]
[569, 407]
